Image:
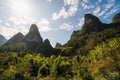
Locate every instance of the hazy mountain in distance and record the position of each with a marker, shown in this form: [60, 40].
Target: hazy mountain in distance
[3, 40]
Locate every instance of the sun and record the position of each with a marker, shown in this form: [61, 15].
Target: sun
[21, 7]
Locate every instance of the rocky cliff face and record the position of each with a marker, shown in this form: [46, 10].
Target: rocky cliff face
[91, 19]
[47, 44]
[33, 35]
[92, 24]
[2, 40]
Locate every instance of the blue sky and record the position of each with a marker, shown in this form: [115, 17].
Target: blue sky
[56, 19]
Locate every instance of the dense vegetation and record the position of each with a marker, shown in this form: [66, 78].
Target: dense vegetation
[103, 62]
[91, 34]
[92, 53]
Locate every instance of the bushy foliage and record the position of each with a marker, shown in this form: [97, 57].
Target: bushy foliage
[103, 62]
[93, 55]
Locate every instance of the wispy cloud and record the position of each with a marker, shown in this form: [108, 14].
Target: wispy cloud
[62, 13]
[67, 12]
[71, 2]
[66, 26]
[97, 10]
[21, 24]
[21, 20]
[111, 11]
[7, 31]
[110, 4]
[72, 10]
[44, 25]
[86, 6]
[86, 1]
[81, 22]
[18, 24]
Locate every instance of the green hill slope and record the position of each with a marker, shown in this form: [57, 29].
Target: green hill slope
[92, 33]
[92, 53]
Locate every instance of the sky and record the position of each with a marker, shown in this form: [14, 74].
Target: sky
[56, 19]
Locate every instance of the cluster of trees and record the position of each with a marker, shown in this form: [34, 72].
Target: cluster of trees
[92, 53]
[103, 62]
[15, 66]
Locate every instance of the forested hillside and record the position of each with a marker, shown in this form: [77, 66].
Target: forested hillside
[92, 53]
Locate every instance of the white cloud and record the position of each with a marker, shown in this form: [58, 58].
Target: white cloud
[71, 2]
[73, 6]
[66, 26]
[99, 0]
[64, 12]
[81, 22]
[0, 21]
[86, 1]
[44, 25]
[55, 16]
[12, 27]
[72, 10]
[15, 25]
[111, 11]
[86, 6]
[22, 24]
[110, 4]
[49, 0]
[21, 20]
[97, 10]
[102, 13]
[7, 24]
[7, 31]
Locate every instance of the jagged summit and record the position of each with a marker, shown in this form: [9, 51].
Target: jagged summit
[33, 35]
[33, 28]
[46, 48]
[47, 43]
[19, 34]
[89, 18]
[91, 24]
